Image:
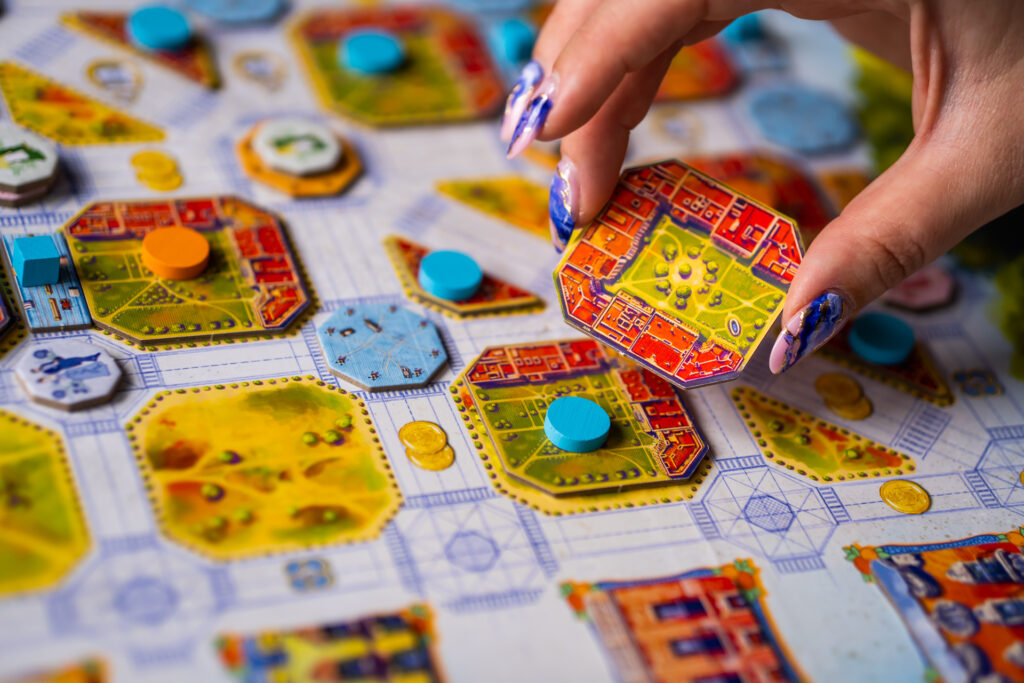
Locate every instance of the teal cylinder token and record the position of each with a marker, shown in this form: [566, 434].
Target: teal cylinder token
[576, 424]
[514, 39]
[881, 339]
[371, 51]
[156, 27]
[450, 275]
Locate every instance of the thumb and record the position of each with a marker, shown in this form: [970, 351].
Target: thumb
[930, 199]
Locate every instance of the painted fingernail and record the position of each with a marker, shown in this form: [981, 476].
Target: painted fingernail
[564, 202]
[532, 120]
[519, 97]
[808, 330]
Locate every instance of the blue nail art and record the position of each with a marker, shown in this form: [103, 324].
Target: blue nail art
[528, 78]
[821, 319]
[562, 202]
[530, 124]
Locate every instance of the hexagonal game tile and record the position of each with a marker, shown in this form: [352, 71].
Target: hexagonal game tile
[67, 374]
[26, 159]
[679, 273]
[380, 347]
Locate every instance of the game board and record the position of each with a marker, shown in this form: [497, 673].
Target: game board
[244, 505]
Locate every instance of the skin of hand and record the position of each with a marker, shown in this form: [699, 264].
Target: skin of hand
[598, 63]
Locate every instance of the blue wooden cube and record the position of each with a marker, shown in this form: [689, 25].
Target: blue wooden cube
[36, 261]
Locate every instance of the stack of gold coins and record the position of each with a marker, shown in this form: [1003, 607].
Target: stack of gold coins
[157, 170]
[426, 445]
[843, 396]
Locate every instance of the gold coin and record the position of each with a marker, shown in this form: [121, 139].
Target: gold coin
[859, 410]
[154, 161]
[157, 175]
[837, 388]
[165, 184]
[423, 436]
[905, 496]
[433, 462]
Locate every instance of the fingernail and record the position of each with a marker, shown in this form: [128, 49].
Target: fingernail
[519, 97]
[532, 120]
[564, 202]
[806, 331]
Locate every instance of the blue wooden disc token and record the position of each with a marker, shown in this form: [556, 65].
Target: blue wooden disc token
[238, 11]
[576, 424]
[881, 339]
[744, 29]
[803, 120]
[371, 51]
[513, 39]
[156, 27]
[450, 275]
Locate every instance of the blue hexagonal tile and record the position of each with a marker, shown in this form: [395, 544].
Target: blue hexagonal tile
[381, 347]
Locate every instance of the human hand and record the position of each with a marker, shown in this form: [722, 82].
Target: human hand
[604, 60]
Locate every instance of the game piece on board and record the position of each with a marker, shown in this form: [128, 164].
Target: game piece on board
[670, 629]
[291, 153]
[35, 260]
[881, 339]
[119, 77]
[905, 496]
[744, 29]
[156, 170]
[371, 51]
[238, 11]
[513, 39]
[264, 68]
[843, 396]
[432, 462]
[812, 447]
[448, 74]
[803, 120]
[67, 374]
[974, 382]
[28, 165]
[192, 60]
[297, 146]
[158, 27]
[680, 273]
[310, 453]
[422, 436]
[175, 252]
[576, 424]
[55, 306]
[654, 452]
[41, 503]
[252, 285]
[929, 288]
[65, 115]
[450, 275]
[309, 574]
[381, 347]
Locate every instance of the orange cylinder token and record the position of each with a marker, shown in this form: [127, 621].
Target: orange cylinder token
[175, 253]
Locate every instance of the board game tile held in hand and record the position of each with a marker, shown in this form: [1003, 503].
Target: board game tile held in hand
[680, 273]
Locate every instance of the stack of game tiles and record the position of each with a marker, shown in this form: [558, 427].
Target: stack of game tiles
[28, 166]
